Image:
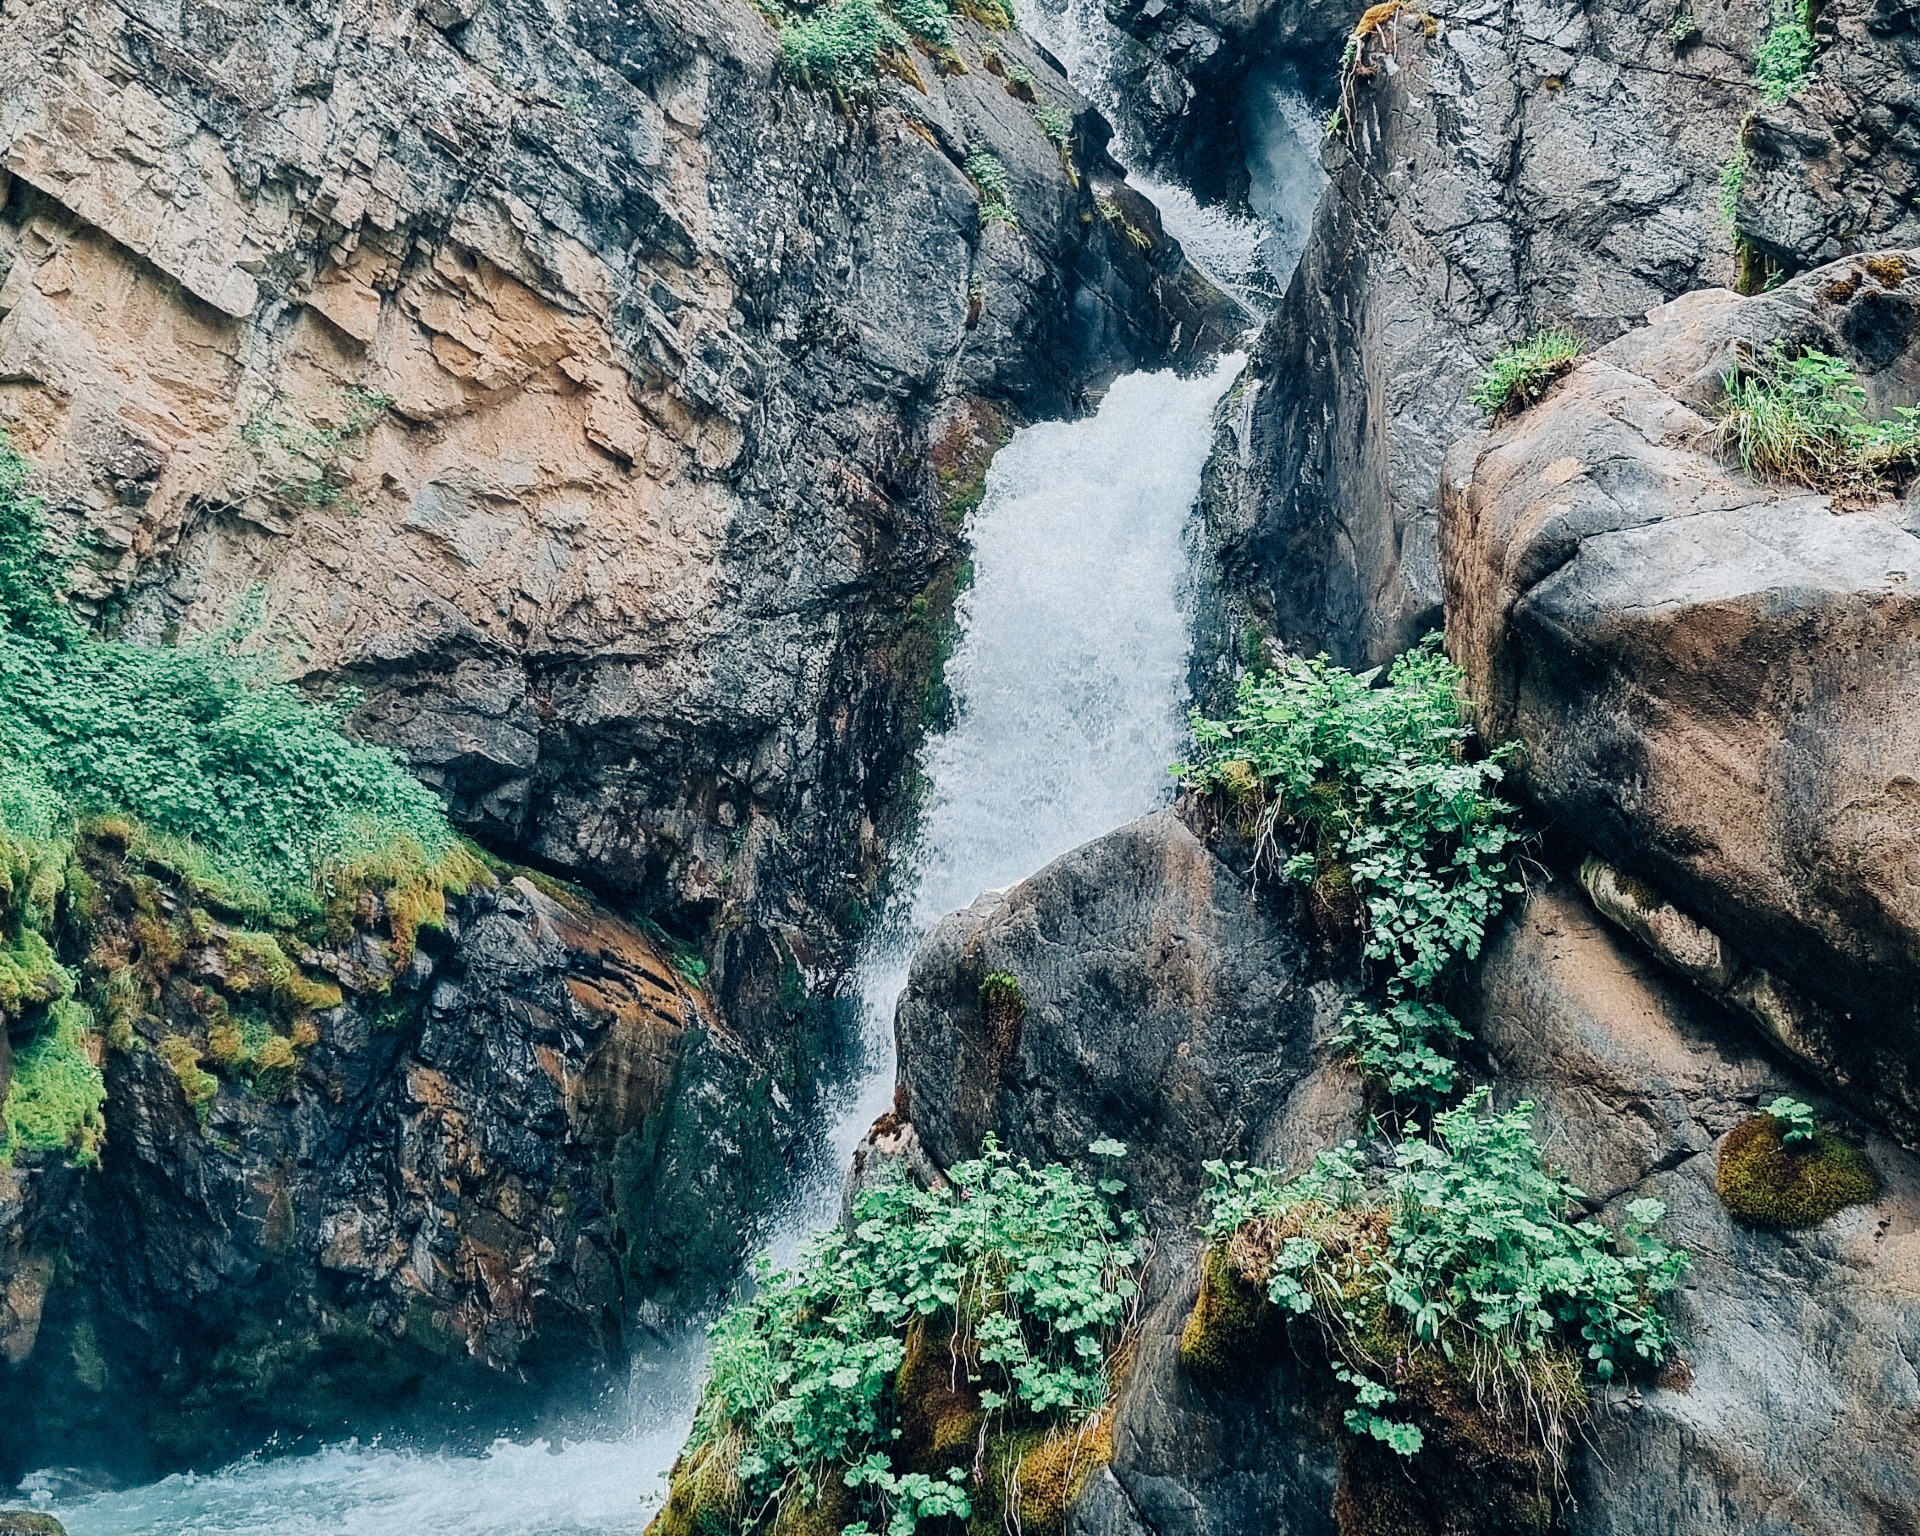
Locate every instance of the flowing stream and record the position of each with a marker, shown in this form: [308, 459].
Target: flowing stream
[1069, 679]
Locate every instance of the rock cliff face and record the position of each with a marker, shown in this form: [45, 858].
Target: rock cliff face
[571, 382]
[501, 1136]
[1178, 1008]
[1497, 169]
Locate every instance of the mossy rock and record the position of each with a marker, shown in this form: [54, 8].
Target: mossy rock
[1232, 1326]
[1766, 1183]
[939, 1409]
[29, 1522]
[1055, 1472]
[703, 1495]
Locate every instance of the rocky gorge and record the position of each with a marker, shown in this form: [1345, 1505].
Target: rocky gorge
[603, 409]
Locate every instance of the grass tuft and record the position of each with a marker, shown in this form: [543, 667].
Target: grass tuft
[1798, 420]
[1519, 375]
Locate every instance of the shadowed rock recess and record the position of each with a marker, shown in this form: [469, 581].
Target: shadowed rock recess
[603, 406]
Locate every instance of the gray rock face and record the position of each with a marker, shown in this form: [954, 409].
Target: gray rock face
[568, 379]
[1713, 678]
[1799, 1413]
[465, 1194]
[1831, 170]
[1512, 166]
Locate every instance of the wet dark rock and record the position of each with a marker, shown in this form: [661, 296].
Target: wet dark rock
[474, 1187]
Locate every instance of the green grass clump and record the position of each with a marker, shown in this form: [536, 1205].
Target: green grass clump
[1799, 420]
[1776, 1171]
[1056, 123]
[1519, 375]
[1470, 1256]
[1785, 56]
[1363, 793]
[839, 47]
[1019, 1279]
[990, 176]
[56, 1092]
[239, 777]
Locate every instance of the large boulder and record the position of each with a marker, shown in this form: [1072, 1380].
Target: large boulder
[1162, 1001]
[1713, 679]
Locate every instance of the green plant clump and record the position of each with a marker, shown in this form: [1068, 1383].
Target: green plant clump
[1799, 419]
[1779, 1169]
[990, 176]
[928, 19]
[839, 46]
[1374, 788]
[55, 1096]
[1025, 1277]
[1519, 375]
[1056, 123]
[245, 781]
[1466, 1259]
[1785, 55]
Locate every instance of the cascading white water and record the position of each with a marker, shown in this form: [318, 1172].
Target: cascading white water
[1068, 682]
[1068, 679]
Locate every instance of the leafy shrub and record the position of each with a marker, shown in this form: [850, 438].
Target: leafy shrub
[1024, 1275]
[929, 19]
[990, 176]
[1056, 123]
[1401, 1048]
[1798, 419]
[1683, 29]
[241, 777]
[839, 47]
[1465, 1256]
[1372, 787]
[1390, 827]
[1519, 375]
[1768, 1180]
[1785, 55]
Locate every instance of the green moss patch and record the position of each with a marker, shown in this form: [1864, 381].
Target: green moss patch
[1766, 1183]
[56, 1092]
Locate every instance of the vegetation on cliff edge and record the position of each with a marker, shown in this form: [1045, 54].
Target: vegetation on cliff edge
[197, 761]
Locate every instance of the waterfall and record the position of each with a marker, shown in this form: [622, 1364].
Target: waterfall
[1069, 677]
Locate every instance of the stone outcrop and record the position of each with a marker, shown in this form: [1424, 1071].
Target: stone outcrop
[496, 1150]
[1497, 169]
[1713, 679]
[572, 382]
[1138, 955]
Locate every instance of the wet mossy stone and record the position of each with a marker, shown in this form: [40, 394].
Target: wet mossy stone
[29, 1522]
[1766, 1183]
[1233, 1328]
